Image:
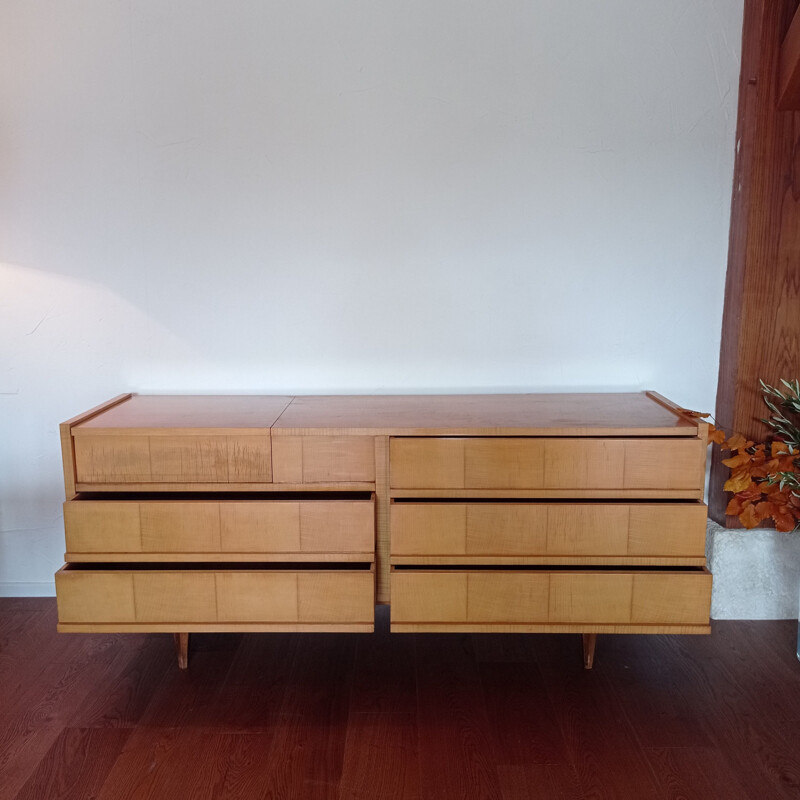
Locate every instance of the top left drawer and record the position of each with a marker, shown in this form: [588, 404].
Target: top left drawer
[171, 443]
[172, 458]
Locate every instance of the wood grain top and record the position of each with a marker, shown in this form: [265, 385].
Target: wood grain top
[625, 414]
[187, 412]
[499, 415]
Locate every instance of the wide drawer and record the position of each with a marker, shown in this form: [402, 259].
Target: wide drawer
[484, 599]
[514, 531]
[610, 464]
[218, 598]
[186, 458]
[323, 459]
[122, 529]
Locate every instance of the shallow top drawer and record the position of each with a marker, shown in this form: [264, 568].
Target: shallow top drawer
[161, 440]
[602, 465]
[172, 458]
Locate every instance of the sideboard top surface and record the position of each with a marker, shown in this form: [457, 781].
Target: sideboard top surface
[188, 411]
[588, 414]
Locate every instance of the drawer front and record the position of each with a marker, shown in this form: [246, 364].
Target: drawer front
[542, 464]
[323, 459]
[315, 526]
[548, 529]
[548, 597]
[172, 459]
[143, 597]
[129, 528]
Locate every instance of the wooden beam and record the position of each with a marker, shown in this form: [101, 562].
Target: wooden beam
[761, 323]
[789, 76]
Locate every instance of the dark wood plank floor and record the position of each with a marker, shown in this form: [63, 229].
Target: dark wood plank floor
[396, 716]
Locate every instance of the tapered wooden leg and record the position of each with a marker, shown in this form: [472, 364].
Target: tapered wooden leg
[182, 649]
[589, 641]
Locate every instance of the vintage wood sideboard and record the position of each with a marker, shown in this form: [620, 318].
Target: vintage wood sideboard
[529, 513]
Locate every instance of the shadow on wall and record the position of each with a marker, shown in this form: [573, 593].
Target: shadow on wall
[52, 328]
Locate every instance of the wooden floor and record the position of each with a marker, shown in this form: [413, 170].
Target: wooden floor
[396, 716]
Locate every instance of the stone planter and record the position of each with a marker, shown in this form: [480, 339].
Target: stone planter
[756, 573]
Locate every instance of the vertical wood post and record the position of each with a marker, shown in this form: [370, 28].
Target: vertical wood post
[761, 317]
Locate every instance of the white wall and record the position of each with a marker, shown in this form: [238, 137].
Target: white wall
[373, 196]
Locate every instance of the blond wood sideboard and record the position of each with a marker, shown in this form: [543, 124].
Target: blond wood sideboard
[508, 513]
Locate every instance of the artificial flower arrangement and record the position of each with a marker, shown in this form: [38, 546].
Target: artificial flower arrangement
[765, 478]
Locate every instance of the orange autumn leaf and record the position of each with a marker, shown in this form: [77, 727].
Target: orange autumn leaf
[784, 521]
[751, 494]
[773, 492]
[759, 454]
[749, 517]
[735, 506]
[766, 509]
[779, 509]
[737, 442]
[737, 461]
[779, 448]
[738, 482]
[715, 436]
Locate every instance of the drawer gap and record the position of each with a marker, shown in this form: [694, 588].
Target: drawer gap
[549, 501]
[215, 497]
[217, 566]
[691, 433]
[541, 568]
